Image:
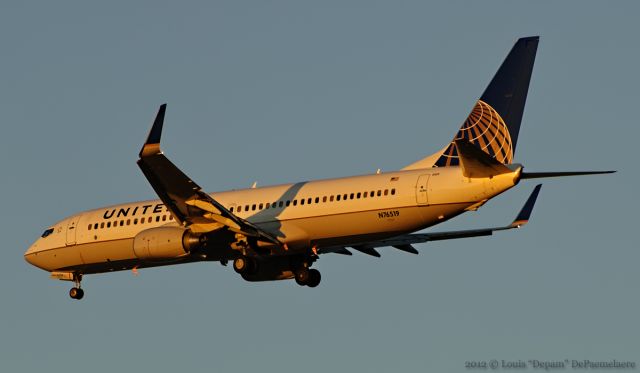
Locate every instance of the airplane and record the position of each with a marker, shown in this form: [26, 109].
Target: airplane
[278, 232]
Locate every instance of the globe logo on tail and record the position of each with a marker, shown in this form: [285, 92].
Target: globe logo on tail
[485, 128]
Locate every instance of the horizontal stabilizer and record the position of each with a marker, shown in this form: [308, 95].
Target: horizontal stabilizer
[539, 175]
[476, 163]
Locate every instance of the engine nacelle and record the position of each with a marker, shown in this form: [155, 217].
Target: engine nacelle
[164, 243]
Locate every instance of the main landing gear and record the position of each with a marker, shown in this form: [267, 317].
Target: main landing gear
[245, 265]
[308, 277]
[76, 292]
[253, 269]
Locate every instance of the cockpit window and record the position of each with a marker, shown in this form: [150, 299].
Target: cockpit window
[47, 232]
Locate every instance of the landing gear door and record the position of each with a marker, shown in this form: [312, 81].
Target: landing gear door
[72, 227]
[421, 190]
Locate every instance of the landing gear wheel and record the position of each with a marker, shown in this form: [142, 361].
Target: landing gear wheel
[244, 265]
[302, 276]
[314, 278]
[240, 264]
[76, 293]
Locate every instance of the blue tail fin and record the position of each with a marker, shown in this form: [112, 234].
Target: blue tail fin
[494, 122]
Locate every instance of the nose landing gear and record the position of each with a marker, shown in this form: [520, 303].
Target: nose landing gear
[76, 292]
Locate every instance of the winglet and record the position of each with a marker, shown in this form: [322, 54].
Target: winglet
[152, 145]
[525, 213]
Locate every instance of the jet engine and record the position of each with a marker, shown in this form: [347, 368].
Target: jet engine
[165, 243]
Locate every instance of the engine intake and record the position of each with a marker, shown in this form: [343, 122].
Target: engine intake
[164, 243]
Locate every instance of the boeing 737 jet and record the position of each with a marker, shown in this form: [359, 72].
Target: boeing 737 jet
[279, 232]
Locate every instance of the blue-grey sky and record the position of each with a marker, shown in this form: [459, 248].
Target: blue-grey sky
[285, 91]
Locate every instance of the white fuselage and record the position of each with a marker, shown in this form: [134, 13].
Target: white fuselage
[323, 213]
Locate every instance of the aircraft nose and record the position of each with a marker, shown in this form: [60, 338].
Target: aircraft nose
[31, 255]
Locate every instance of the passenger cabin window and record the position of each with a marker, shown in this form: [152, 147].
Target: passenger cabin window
[47, 232]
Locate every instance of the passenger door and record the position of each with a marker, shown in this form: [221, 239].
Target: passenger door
[72, 227]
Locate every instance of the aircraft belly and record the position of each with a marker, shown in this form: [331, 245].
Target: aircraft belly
[54, 259]
[105, 251]
[436, 214]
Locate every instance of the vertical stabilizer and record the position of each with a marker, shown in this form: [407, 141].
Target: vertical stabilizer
[494, 123]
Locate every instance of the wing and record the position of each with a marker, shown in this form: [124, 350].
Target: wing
[404, 242]
[186, 201]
